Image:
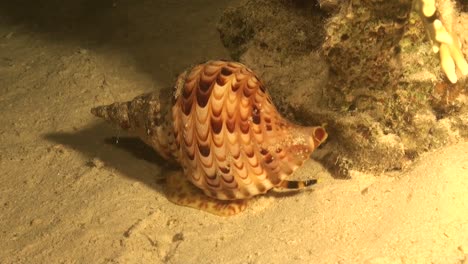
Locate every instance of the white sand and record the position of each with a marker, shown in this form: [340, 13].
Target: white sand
[67, 196]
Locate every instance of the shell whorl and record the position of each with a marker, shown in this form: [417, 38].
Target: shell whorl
[230, 140]
[222, 128]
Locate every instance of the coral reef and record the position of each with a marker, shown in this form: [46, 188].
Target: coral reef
[369, 73]
[247, 25]
[444, 40]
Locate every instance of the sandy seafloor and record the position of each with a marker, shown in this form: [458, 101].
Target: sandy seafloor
[69, 193]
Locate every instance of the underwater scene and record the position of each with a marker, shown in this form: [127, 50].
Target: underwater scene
[251, 131]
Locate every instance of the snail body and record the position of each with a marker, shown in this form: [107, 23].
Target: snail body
[224, 131]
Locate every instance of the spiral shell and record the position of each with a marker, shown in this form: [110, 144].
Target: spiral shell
[232, 143]
[223, 129]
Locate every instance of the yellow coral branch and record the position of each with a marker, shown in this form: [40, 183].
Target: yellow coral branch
[428, 8]
[447, 63]
[444, 40]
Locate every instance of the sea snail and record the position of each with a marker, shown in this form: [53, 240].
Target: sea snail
[224, 131]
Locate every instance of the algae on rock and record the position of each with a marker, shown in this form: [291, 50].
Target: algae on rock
[364, 67]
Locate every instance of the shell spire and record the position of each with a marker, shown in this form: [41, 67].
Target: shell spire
[116, 113]
[145, 116]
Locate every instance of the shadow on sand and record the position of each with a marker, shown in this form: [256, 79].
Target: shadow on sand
[129, 156]
[153, 32]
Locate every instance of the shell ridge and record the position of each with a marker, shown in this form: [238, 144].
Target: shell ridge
[231, 140]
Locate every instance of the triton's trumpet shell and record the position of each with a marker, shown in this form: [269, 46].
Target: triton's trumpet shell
[224, 131]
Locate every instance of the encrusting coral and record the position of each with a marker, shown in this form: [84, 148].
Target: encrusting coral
[438, 17]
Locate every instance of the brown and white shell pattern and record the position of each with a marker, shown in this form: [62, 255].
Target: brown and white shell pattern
[230, 139]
